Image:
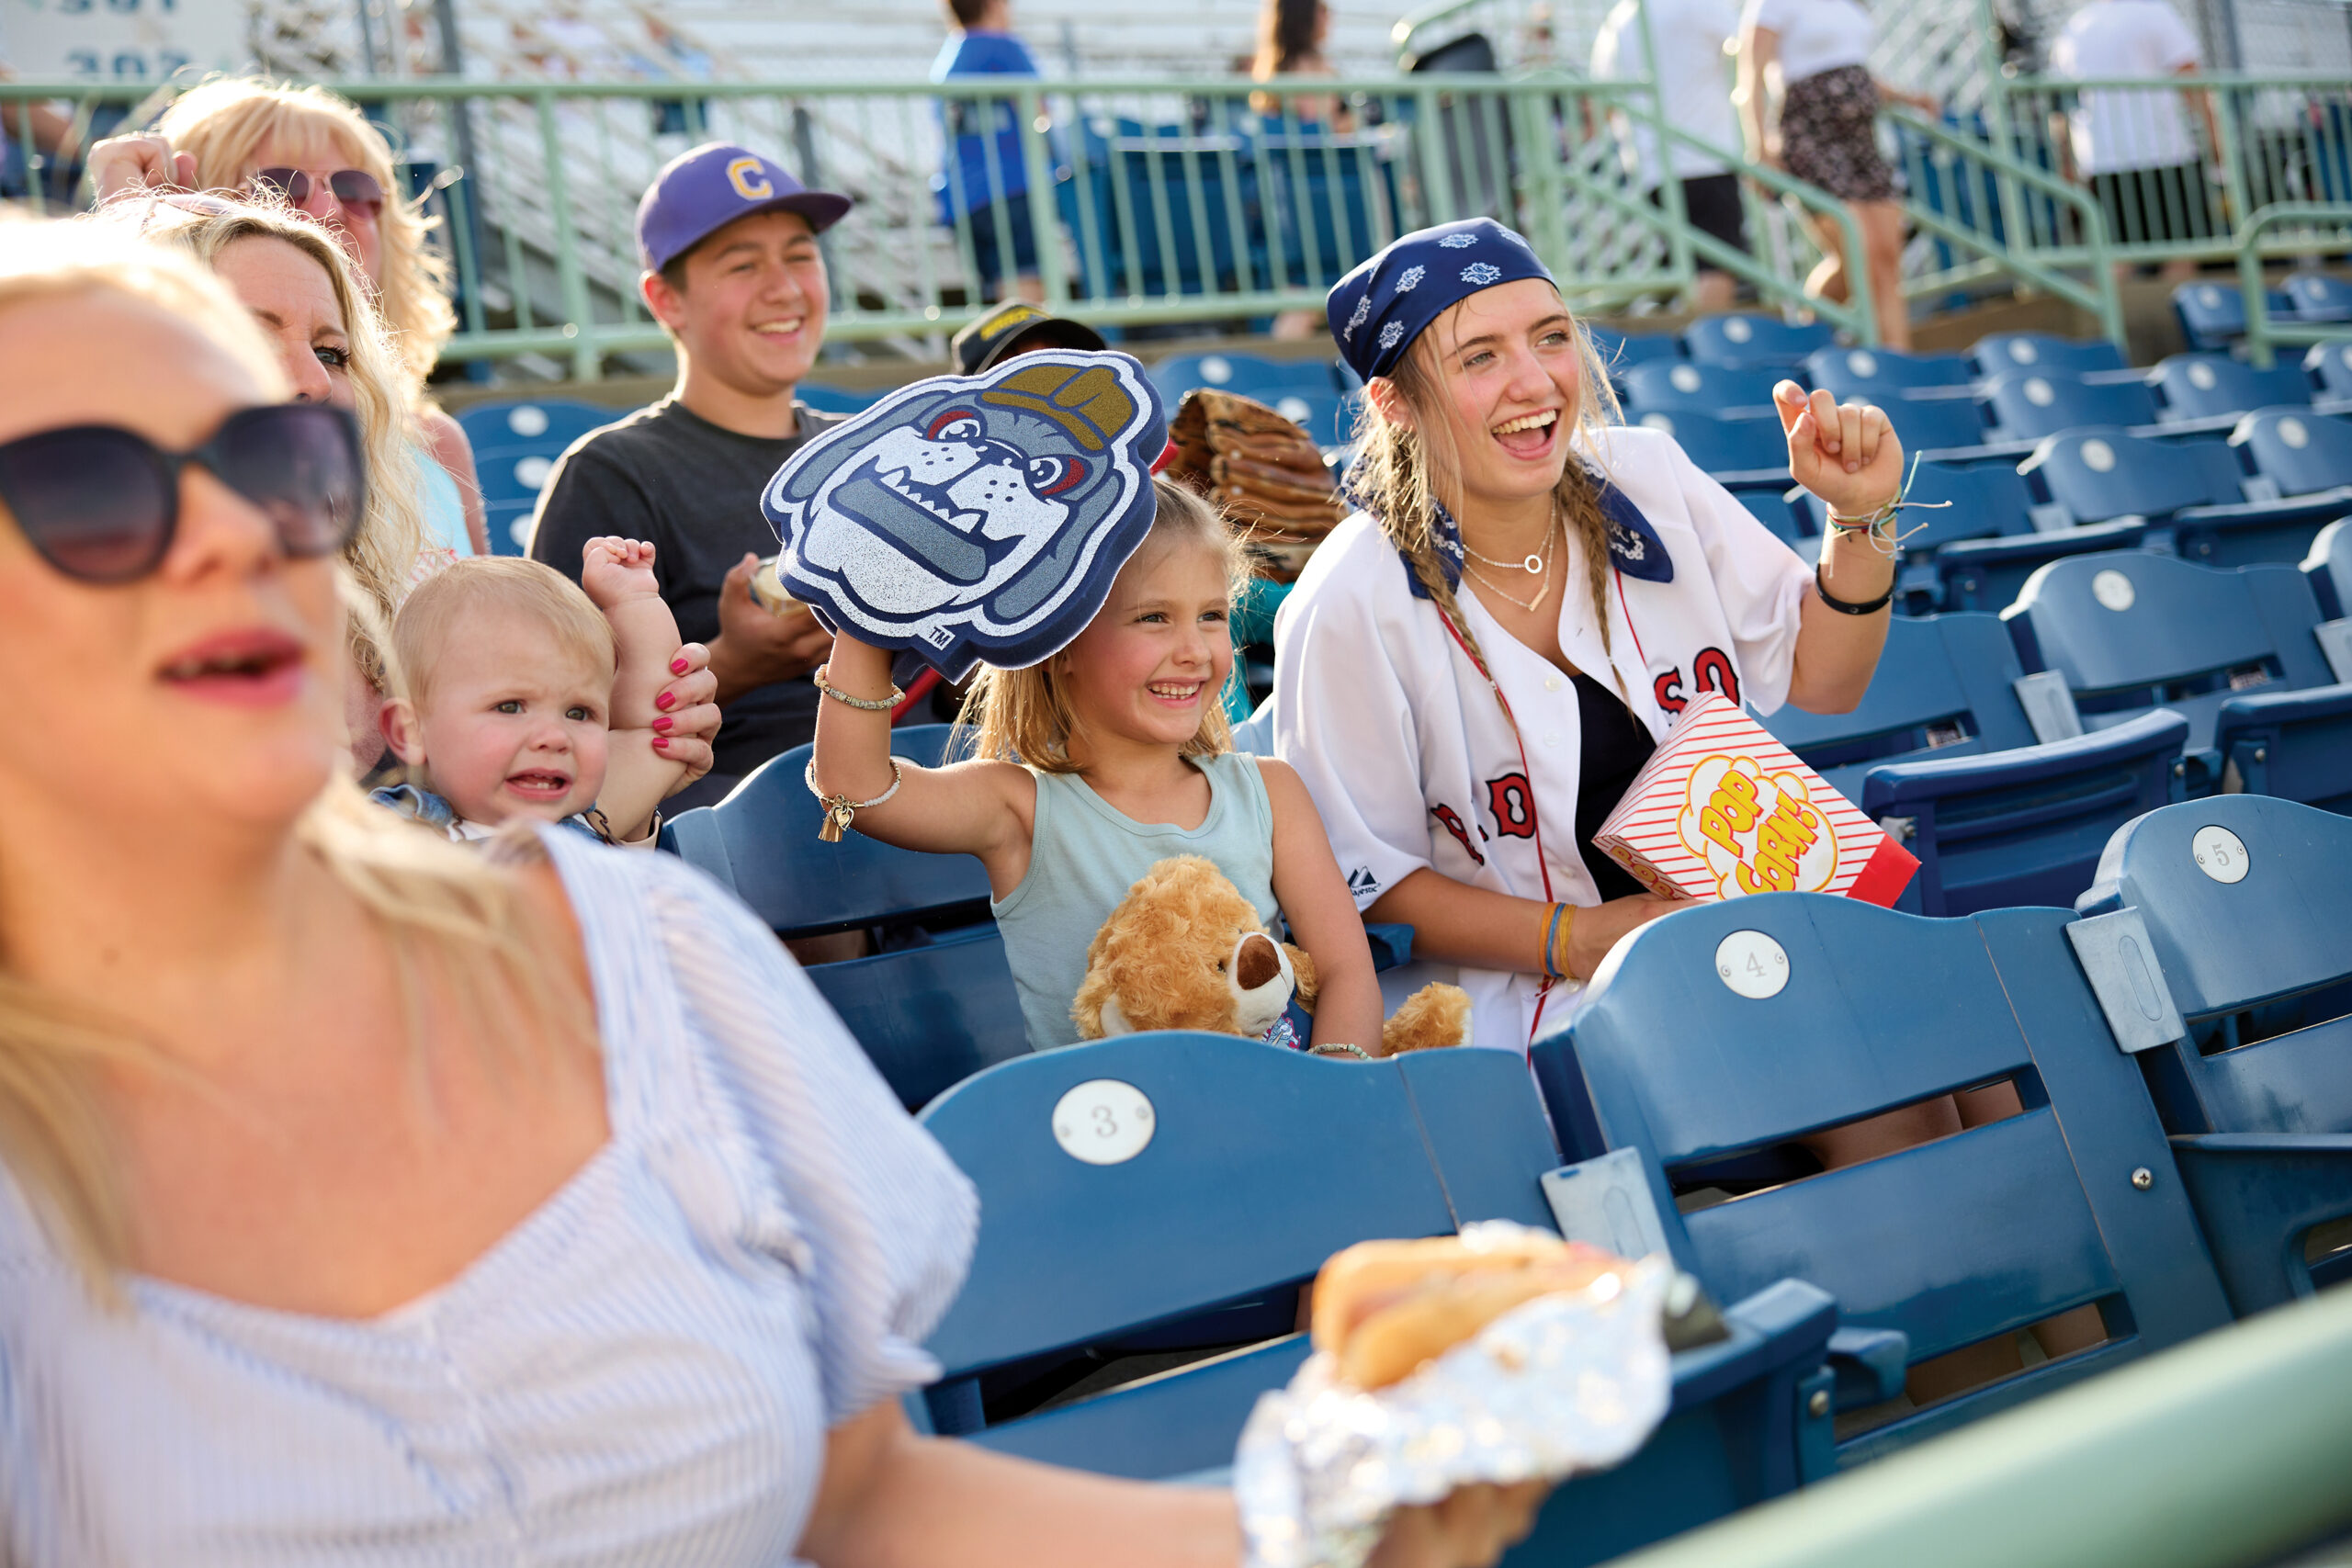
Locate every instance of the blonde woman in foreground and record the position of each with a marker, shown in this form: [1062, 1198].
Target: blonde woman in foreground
[368, 1200]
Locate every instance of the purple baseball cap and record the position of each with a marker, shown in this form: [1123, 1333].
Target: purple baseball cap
[705, 188]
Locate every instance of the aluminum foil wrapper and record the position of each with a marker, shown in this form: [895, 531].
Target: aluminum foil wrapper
[1563, 1384]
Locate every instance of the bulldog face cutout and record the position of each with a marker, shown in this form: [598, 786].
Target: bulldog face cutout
[970, 517]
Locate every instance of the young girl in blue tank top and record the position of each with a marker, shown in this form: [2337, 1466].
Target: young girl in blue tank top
[1109, 757]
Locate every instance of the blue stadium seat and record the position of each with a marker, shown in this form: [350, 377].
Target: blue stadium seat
[1955, 1243]
[2317, 297]
[1180, 1249]
[1328, 418]
[1247, 374]
[1943, 742]
[2205, 386]
[2195, 489]
[2028, 404]
[937, 1004]
[1935, 424]
[1980, 537]
[1882, 374]
[1995, 353]
[516, 446]
[834, 400]
[2213, 315]
[1679, 387]
[2330, 365]
[2300, 452]
[2241, 903]
[1746, 341]
[2328, 569]
[1618, 350]
[1775, 511]
[1735, 452]
[2234, 651]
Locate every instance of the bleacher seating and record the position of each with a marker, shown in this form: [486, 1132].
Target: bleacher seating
[2195, 488]
[2213, 315]
[1983, 535]
[833, 400]
[1618, 350]
[1669, 386]
[2028, 404]
[2330, 365]
[2234, 651]
[2198, 388]
[516, 446]
[1180, 1219]
[1948, 426]
[1737, 453]
[1885, 374]
[2218, 931]
[2328, 569]
[1776, 511]
[2300, 452]
[1737, 1028]
[1247, 374]
[2317, 297]
[1942, 744]
[1752, 342]
[1996, 352]
[938, 1003]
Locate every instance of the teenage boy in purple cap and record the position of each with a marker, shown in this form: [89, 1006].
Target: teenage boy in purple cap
[733, 274]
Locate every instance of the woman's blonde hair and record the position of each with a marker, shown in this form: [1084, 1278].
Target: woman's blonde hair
[1025, 716]
[383, 554]
[453, 920]
[225, 120]
[1401, 473]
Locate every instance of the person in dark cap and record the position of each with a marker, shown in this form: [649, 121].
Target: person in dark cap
[732, 272]
[1016, 327]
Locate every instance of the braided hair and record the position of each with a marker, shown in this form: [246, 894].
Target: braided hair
[1398, 473]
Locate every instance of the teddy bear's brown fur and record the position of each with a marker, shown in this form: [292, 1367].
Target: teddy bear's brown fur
[1161, 960]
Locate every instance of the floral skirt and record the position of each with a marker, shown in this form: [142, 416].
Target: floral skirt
[1829, 135]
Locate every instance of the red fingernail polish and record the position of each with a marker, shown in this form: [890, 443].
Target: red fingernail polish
[663, 723]
[660, 743]
[678, 666]
[665, 702]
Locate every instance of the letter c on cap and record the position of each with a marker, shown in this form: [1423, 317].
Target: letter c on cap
[750, 182]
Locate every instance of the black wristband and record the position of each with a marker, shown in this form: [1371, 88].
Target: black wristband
[1844, 608]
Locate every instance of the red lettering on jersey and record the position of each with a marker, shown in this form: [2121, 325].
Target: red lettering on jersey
[1715, 673]
[1513, 805]
[1668, 690]
[1453, 824]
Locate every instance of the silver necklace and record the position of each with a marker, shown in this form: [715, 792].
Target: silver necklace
[1544, 563]
[1534, 562]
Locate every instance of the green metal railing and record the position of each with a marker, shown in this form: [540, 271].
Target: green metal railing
[1146, 201]
[2263, 334]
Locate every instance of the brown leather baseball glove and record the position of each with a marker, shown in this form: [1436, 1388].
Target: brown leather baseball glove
[1261, 470]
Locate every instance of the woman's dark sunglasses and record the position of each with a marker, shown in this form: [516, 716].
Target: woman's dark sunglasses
[101, 503]
[353, 187]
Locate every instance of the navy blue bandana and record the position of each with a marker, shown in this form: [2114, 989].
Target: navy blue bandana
[1379, 309]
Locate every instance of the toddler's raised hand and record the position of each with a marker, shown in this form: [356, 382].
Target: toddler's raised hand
[614, 570]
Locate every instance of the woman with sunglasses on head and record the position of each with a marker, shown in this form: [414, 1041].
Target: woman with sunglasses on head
[318, 154]
[365, 1201]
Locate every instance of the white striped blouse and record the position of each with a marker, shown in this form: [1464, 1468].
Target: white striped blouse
[640, 1373]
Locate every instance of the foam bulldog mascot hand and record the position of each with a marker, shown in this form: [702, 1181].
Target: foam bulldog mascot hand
[971, 517]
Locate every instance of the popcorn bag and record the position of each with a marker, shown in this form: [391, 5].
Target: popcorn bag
[1722, 810]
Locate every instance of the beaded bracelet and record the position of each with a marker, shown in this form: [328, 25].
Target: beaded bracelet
[840, 808]
[864, 704]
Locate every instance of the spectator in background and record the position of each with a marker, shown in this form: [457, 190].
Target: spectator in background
[1694, 95]
[2133, 148]
[1826, 134]
[319, 154]
[732, 272]
[985, 179]
[1290, 43]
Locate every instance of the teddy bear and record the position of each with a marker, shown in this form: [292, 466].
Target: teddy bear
[1184, 950]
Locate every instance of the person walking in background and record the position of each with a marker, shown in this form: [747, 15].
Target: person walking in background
[984, 178]
[318, 152]
[1290, 43]
[2133, 148]
[732, 272]
[1826, 134]
[1694, 95]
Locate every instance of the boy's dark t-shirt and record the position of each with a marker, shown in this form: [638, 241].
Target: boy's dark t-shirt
[691, 489]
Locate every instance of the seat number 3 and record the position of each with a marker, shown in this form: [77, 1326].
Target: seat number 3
[1103, 1121]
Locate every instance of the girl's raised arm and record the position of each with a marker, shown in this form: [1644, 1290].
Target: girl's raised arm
[981, 809]
[1322, 915]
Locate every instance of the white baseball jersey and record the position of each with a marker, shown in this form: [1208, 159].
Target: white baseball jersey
[1412, 761]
